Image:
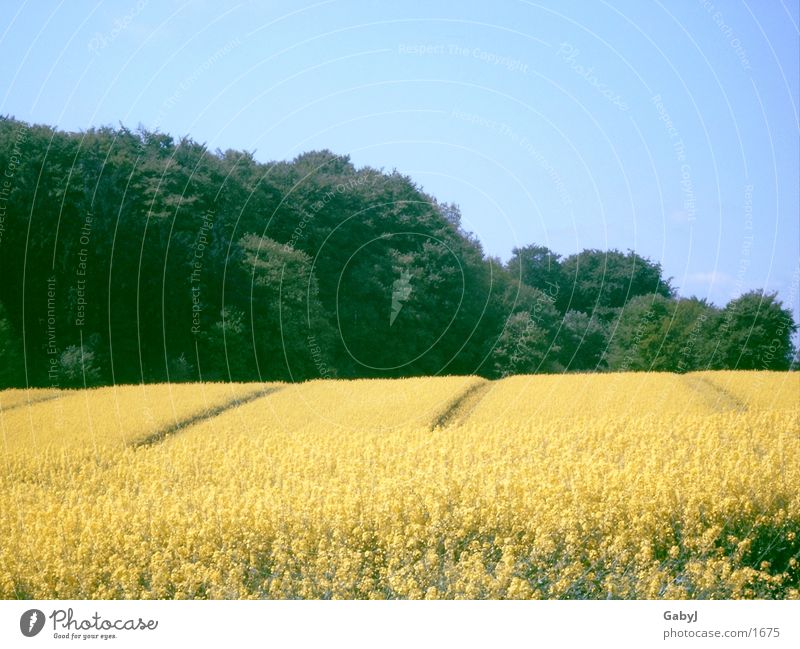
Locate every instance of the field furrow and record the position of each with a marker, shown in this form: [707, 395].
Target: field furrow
[458, 410]
[530, 487]
[111, 416]
[717, 397]
[761, 390]
[19, 398]
[161, 434]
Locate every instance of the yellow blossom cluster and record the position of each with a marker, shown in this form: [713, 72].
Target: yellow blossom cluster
[766, 390]
[15, 398]
[590, 395]
[109, 416]
[580, 486]
[377, 404]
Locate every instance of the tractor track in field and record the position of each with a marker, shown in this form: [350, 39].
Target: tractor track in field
[717, 397]
[459, 408]
[30, 402]
[167, 431]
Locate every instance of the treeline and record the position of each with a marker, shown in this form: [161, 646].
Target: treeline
[130, 256]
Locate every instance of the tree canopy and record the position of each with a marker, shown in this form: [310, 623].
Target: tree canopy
[132, 256]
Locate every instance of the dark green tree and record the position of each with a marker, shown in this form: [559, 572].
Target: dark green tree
[523, 348]
[597, 282]
[538, 267]
[284, 309]
[754, 332]
[527, 344]
[655, 333]
[134, 251]
[12, 372]
[582, 340]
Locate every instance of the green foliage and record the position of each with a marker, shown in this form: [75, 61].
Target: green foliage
[539, 267]
[12, 371]
[660, 334]
[227, 347]
[526, 344]
[599, 282]
[78, 368]
[150, 258]
[182, 370]
[582, 340]
[755, 333]
[523, 348]
[284, 310]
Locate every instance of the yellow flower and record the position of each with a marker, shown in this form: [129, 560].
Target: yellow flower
[592, 486]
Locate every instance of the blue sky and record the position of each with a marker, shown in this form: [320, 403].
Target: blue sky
[670, 128]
